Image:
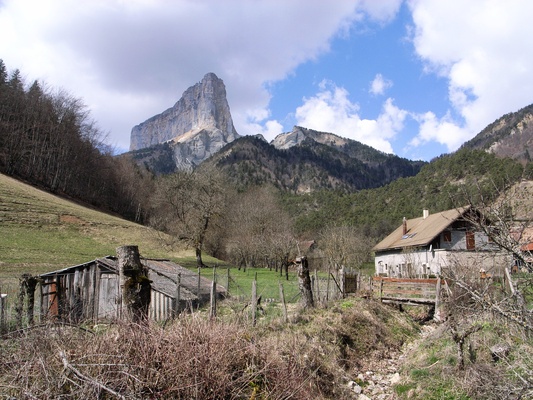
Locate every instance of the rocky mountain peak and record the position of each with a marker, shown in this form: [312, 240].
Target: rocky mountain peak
[198, 125]
[299, 134]
[287, 140]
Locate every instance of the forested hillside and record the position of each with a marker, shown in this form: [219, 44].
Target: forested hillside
[449, 181]
[310, 165]
[509, 136]
[48, 139]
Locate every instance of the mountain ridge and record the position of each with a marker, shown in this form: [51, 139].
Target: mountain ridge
[311, 164]
[511, 136]
[302, 160]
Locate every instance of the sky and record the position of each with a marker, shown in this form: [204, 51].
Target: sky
[416, 78]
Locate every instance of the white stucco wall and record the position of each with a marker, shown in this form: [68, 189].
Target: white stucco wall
[424, 263]
[403, 264]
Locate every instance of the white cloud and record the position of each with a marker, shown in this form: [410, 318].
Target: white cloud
[379, 85]
[146, 53]
[269, 129]
[382, 10]
[481, 47]
[330, 110]
[444, 131]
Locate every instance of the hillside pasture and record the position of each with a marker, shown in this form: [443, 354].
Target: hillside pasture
[41, 232]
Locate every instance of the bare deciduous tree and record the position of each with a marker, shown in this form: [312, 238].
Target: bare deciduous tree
[259, 231]
[345, 245]
[507, 222]
[188, 204]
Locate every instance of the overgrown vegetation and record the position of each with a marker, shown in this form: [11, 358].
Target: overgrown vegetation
[432, 368]
[194, 357]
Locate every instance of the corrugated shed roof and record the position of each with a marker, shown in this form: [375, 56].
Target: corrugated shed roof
[420, 231]
[164, 276]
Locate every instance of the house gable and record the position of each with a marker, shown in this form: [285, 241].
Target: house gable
[420, 232]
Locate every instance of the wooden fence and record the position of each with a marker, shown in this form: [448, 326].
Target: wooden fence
[407, 291]
[335, 286]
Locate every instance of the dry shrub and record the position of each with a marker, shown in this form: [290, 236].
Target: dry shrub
[195, 358]
[509, 378]
[483, 377]
[190, 358]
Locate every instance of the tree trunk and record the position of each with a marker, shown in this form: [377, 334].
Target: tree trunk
[134, 285]
[31, 284]
[199, 261]
[304, 283]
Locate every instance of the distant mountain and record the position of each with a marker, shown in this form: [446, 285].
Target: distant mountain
[196, 127]
[509, 136]
[305, 160]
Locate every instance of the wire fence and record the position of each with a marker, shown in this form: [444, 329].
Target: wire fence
[271, 287]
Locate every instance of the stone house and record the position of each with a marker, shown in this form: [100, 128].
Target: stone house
[426, 246]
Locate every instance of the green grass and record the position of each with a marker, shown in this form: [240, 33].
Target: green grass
[240, 282]
[40, 232]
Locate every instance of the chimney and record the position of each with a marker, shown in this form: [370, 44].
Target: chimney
[404, 225]
[425, 213]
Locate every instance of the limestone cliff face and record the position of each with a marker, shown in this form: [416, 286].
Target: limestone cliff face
[298, 134]
[197, 126]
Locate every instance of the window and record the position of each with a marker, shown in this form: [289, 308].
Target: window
[470, 240]
[447, 236]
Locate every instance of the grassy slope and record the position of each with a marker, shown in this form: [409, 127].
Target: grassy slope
[40, 232]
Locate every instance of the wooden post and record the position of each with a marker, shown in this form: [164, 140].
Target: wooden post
[327, 283]
[304, 282]
[199, 283]
[19, 307]
[283, 304]
[227, 280]
[213, 304]
[177, 297]
[213, 297]
[134, 285]
[342, 281]
[509, 281]
[40, 302]
[436, 315]
[254, 301]
[31, 284]
[317, 292]
[3, 307]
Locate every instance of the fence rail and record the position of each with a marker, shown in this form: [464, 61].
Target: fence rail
[325, 287]
[408, 291]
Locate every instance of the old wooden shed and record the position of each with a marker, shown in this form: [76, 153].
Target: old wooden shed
[90, 291]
